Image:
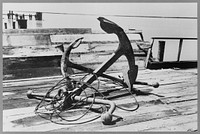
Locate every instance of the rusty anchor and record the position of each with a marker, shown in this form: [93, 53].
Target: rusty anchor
[72, 95]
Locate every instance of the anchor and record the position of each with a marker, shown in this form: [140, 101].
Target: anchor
[73, 89]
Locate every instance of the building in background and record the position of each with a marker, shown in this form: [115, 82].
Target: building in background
[13, 20]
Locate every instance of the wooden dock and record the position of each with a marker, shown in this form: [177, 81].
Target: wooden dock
[171, 107]
[31, 53]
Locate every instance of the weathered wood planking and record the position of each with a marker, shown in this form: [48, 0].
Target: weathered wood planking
[50, 65]
[47, 31]
[21, 47]
[20, 87]
[35, 55]
[175, 111]
[166, 124]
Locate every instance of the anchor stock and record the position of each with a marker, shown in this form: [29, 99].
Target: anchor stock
[72, 92]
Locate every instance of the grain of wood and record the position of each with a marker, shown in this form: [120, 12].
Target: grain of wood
[165, 124]
[176, 111]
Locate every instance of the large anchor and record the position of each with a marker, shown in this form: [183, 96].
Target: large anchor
[72, 94]
[124, 48]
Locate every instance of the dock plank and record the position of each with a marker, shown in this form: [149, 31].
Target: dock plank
[143, 115]
[175, 111]
[166, 124]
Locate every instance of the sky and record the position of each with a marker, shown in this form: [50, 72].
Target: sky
[102, 9]
[164, 9]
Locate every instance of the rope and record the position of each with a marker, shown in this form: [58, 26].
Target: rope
[53, 110]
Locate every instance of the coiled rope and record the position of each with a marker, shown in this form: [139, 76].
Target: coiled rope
[54, 109]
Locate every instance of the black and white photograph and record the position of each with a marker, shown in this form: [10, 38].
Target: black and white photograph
[99, 67]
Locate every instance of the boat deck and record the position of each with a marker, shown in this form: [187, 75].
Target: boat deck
[171, 107]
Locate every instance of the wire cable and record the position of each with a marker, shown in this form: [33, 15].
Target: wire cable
[55, 106]
[55, 109]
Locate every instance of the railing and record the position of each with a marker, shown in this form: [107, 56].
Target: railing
[161, 48]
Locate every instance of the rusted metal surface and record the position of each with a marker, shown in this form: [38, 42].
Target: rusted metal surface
[68, 90]
[124, 48]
